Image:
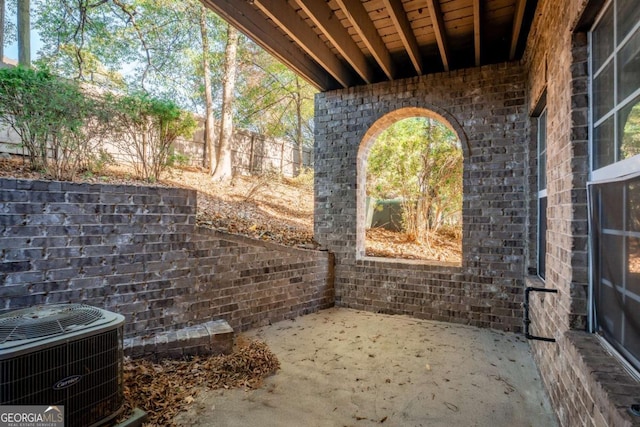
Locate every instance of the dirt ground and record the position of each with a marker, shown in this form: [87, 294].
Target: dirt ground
[342, 367]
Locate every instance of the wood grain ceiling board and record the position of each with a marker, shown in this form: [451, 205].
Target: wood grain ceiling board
[340, 43]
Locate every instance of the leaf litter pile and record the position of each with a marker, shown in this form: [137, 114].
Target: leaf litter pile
[445, 245]
[166, 388]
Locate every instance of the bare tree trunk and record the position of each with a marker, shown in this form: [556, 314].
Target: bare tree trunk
[24, 33]
[223, 169]
[298, 96]
[1, 31]
[209, 152]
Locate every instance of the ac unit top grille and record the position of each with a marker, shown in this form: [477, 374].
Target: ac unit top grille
[46, 320]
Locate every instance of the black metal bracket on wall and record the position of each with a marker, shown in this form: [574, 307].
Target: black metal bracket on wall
[527, 320]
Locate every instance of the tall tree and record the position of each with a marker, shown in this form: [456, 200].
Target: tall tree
[276, 102]
[420, 161]
[223, 168]
[24, 33]
[83, 40]
[206, 69]
[2, 8]
[298, 103]
[156, 46]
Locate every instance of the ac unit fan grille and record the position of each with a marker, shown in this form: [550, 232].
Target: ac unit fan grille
[42, 321]
[30, 379]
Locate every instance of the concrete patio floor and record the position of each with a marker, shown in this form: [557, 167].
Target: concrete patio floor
[344, 367]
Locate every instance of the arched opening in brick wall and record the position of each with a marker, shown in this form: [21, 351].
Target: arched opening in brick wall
[445, 247]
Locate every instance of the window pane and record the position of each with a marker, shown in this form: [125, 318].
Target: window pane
[611, 259]
[608, 312]
[542, 172]
[629, 67]
[542, 132]
[616, 279]
[629, 122]
[615, 218]
[542, 236]
[633, 265]
[542, 151]
[603, 92]
[632, 327]
[628, 15]
[608, 298]
[633, 205]
[603, 144]
[602, 41]
[611, 195]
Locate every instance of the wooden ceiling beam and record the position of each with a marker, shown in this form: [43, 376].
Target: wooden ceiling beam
[249, 21]
[322, 15]
[403, 26]
[362, 24]
[438, 29]
[294, 26]
[517, 27]
[317, 38]
[476, 30]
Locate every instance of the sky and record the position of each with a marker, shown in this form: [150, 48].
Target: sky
[11, 50]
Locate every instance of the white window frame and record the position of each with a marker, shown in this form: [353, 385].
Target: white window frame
[542, 192]
[619, 170]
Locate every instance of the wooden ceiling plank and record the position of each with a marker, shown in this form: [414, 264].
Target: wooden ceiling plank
[476, 30]
[322, 16]
[403, 26]
[294, 26]
[438, 27]
[359, 18]
[272, 40]
[517, 27]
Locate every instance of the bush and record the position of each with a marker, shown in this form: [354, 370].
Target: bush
[304, 179]
[178, 160]
[146, 128]
[56, 122]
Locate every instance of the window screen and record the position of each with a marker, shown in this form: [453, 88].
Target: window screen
[616, 263]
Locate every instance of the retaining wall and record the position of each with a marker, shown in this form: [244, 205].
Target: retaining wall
[137, 251]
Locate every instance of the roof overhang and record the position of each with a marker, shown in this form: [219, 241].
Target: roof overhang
[343, 43]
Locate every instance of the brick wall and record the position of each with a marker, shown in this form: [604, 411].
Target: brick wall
[588, 387]
[487, 108]
[137, 251]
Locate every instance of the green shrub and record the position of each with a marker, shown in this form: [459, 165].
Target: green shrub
[177, 159]
[145, 129]
[57, 124]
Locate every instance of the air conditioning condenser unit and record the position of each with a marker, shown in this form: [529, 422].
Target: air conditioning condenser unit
[63, 354]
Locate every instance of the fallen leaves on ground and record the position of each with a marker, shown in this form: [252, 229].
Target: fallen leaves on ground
[266, 207]
[445, 247]
[166, 388]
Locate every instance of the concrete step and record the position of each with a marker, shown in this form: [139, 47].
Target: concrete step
[210, 338]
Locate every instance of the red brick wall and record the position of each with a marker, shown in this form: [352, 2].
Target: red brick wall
[486, 107]
[136, 251]
[588, 387]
